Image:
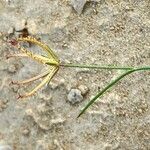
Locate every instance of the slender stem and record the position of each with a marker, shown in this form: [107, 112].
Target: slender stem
[95, 67]
[109, 86]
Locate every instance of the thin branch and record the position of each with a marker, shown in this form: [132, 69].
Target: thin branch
[95, 67]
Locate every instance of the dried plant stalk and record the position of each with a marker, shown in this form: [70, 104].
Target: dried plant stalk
[54, 64]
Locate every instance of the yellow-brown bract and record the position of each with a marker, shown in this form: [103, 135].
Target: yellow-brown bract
[51, 59]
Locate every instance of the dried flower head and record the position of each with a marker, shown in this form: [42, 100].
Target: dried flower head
[50, 59]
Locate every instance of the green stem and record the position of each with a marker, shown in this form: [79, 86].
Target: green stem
[129, 70]
[109, 86]
[95, 67]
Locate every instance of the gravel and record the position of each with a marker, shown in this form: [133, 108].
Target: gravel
[75, 96]
[88, 32]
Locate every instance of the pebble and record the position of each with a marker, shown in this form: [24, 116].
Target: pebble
[78, 5]
[84, 89]
[11, 30]
[56, 84]
[19, 25]
[75, 96]
[32, 26]
[53, 85]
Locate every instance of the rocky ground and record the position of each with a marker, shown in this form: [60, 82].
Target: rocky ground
[79, 31]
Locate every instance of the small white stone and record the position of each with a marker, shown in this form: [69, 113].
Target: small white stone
[32, 26]
[84, 89]
[11, 30]
[19, 25]
[62, 81]
[54, 85]
[29, 112]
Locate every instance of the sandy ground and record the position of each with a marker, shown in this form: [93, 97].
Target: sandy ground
[92, 32]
